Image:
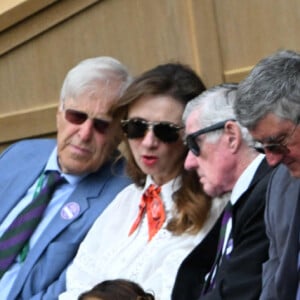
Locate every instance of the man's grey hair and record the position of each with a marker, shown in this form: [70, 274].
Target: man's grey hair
[89, 72]
[213, 106]
[273, 86]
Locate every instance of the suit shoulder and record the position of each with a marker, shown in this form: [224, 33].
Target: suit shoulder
[26, 151]
[30, 145]
[282, 181]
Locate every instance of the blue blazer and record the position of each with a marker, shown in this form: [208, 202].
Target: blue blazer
[280, 274]
[42, 275]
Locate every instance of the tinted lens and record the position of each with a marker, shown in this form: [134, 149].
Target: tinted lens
[75, 117]
[276, 148]
[193, 145]
[78, 118]
[166, 132]
[135, 128]
[100, 126]
[260, 149]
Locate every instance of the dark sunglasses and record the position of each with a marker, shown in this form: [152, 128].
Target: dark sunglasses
[78, 117]
[191, 141]
[273, 148]
[280, 147]
[165, 131]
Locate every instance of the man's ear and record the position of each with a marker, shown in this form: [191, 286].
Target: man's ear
[233, 135]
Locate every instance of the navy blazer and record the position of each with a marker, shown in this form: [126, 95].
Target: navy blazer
[239, 277]
[42, 275]
[280, 274]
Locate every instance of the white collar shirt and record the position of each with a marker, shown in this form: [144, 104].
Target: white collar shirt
[239, 188]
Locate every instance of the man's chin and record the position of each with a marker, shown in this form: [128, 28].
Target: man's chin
[209, 191]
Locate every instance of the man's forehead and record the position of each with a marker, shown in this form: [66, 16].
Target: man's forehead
[270, 127]
[193, 120]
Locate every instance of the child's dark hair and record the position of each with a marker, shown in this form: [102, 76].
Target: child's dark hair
[118, 289]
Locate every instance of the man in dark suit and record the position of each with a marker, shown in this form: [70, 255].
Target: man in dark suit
[84, 155]
[221, 152]
[268, 104]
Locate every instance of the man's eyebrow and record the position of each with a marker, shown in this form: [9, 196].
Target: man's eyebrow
[273, 139]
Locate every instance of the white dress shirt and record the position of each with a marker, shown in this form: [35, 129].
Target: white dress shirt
[108, 252]
[239, 188]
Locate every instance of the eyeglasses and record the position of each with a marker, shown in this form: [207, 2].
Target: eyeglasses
[191, 141]
[281, 147]
[165, 131]
[78, 117]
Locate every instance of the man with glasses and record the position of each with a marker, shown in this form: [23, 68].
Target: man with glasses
[83, 160]
[222, 154]
[268, 104]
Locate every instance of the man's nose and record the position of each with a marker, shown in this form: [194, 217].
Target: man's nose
[190, 162]
[273, 159]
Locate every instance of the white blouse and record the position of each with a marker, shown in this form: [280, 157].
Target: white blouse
[108, 252]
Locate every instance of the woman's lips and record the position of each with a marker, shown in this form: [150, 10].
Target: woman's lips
[149, 160]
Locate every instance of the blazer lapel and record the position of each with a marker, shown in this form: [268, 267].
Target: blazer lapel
[14, 184]
[261, 172]
[89, 188]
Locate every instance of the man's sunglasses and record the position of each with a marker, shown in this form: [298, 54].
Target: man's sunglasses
[165, 131]
[191, 139]
[280, 147]
[78, 117]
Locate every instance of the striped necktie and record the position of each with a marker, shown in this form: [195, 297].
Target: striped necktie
[20, 230]
[225, 220]
[210, 280]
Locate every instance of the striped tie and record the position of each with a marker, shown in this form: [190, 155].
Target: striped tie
[19, 232]
[210, 280]
[226, 217]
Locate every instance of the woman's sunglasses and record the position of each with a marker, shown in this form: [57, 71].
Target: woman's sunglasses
[165, 131]
[78, 117]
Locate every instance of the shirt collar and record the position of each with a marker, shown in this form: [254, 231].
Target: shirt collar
[52, 165]
[245, 179]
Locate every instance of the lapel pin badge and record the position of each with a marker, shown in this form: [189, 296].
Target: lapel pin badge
[70, 211]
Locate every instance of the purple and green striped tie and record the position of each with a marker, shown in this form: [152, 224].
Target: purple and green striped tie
[20, 230]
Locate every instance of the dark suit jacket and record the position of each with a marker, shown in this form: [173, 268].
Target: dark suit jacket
[42, 275]
[190, 276]
[280, 275]
[239, 277]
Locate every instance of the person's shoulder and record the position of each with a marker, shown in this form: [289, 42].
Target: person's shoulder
[282, 172]
[32, 143]
[39, 142]
[129, 191]
[282, 196]
[124, 203]
[283, 183]
[29, 147]
[128, 196]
